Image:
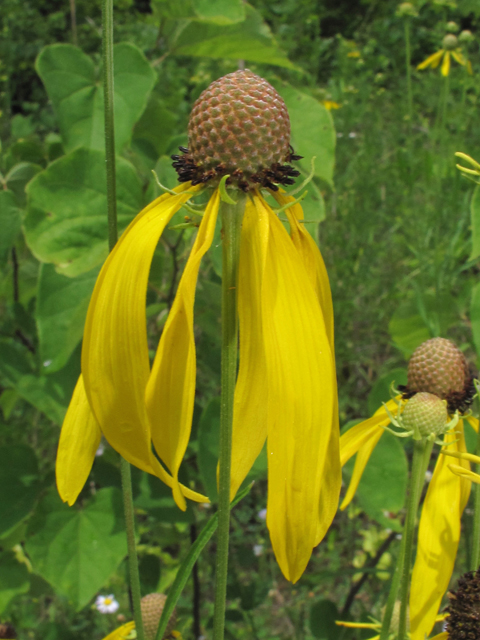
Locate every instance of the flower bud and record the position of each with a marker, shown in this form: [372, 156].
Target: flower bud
[466, 37]
[452, 27]
[425, 414]
[406, 10]
[450, 42]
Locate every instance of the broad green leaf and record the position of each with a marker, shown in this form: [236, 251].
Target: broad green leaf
[186, 567]
[323, 614]
[418, 320]
[10, 223]
[381, 389]
[220, 11]
[475, 316]
[62, 305]
[248, 40]
[384, 481]
[214, 11]
[475, 219]
[313, 131]
[19, 176]
[14, 579]
[49, 394]
[78, 549]
[153, 132]
[66, 221]
[71, 82]
[19, 483]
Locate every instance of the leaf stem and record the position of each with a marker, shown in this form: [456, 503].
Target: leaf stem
[232, 215]
[107, 50]
[408, 68]
[107, 54]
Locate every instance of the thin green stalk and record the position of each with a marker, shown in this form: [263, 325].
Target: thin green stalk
[421, 455]
[107, 45]
[475, 559]
[232, 215]
[408, 68]
[132, 549]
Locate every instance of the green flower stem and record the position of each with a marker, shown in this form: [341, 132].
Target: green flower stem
[107, 44]
[408, 68]
[475, 558]
[107, 54]
[401, 577]
[132, 549]
[232, 215]
[421, 456]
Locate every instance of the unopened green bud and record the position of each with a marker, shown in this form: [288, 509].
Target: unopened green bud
[466, 37]
[450, 42]
[452, 27]
[406, 10]
[425, 414]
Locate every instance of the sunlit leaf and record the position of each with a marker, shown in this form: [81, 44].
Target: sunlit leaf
[62, 305]
[77, 549]
[71, 82]
[66, 222]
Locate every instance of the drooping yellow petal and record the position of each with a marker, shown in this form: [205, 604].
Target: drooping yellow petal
[312, 259]
[170, 390]
[250, 413]
[458, 56]
[440, 636]
[353, 439]
[438, 538]
[362, 440]
[357, 625]
[301, 390]
[115, 362]
[79, 440]
[122, 632]
[464, 473]
[445, 70]
[432, 61]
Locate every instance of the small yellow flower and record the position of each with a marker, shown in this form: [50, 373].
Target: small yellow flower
[286, 386]
[331, 104]
[449, 50]
[439, 527]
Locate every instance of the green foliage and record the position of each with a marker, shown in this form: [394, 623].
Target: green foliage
[77, 549]
[69, 77]
[323, 614]
[65, 222]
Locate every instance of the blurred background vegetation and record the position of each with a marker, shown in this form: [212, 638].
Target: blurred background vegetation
[398, 226]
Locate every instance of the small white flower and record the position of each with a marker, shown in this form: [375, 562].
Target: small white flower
[258, 549]
[107, 604]
[339, 134]
[101, 450]
[47, 363]
[352, 134]
[262, 514]
[428, 475]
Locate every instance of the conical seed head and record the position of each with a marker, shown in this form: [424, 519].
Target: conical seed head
[438, 366]
[241, 122]
[425, 413]
[152, 607]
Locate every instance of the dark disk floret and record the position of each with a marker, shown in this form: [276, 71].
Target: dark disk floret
[240, 127]
[463, 622]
